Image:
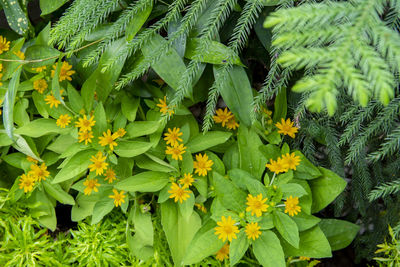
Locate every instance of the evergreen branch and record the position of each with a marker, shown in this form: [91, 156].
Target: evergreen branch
[389, 147]
[384, 190]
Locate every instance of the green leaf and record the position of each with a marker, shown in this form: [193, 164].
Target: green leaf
[131, 148]
[75, 99]
[15, 16]
[179, 231]
[48, 6]
[292, 189]
[140, 128]
[325, 189]
[205, 243]
[216, 52]
[280, 106]
[75, 166]
[129, 106]
[41, 127]
[287, 228]
[313, 244]
[149, 181]
[36, 52]
[186, 207]
[339, 233]
[305, 221]
[238, 248]
[253, 162]
[268, 250]
[137, 22]
[306, 170]
[58, 193]
[44, 208]
[202, 142]
[103, 207]
[40, 104]
[153, 163]
[9, 100]
[267, 222]
[84, 206]
[248, 182]
[237, 93]
[229, 194]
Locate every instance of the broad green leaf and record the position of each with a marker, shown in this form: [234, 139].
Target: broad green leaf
[43, 207]
[205, 141]
[339, 233]
[36, 52]
[238, 248]
[247, 181]
[48, 6]
[83, 207]
[280, 106]
[75, 99]
[140, 128]
[186, 207]
[5, 140]
[267, 221]
[205, 243]
[268, 250]
[216, 52]
[153, 163]
[292, 189]
[101, 120]
[179, 231]
[149, 181]
[103, 207]
[313, 244]
[306, 170]
[137, 22]
[251, 159]
[75, 166]
[287, 228]
[21, 117]
[41, 127]
[40, 104]
[305, 221]
[230, 195]
[58, 193]
[218, 165]
[170, 67]
[9, 100]
[237, 93]
[129, 106]
[325, 189]
[15, 16]
[131, 148]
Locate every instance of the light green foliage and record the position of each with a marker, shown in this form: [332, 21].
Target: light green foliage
[346, 44]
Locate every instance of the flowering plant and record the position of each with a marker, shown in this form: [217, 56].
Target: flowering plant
[236, 188]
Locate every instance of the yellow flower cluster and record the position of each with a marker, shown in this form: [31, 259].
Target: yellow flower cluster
[287, 128]
[36, 174]
[164, 109]
[40, 86]
[283, 164]
[202, 164]
[85, 125]
[226, 118]
[291, 206]
[4, 45]
[175, 149]
[65, 71]
[256, 204]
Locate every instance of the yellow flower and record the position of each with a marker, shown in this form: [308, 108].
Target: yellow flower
[65, 71]
[39, 69]
[179, 193]
[202, 164]
[121, 132]
[63, 121]
[277, 166]
[4, 44]
[91, 185]
[27, 182]
[226, 229]
[256, 204]
[222, 116]
[85, 124]
[98, 163]
[291, 160]
[85, 136]
[172, 137]
[302, 258]
[252, 230]
[108, 139]
[52, 101]
[110, 175]
[40, 85]
[187, 180]
[164, 107]
[286, 128]
[30, 159]
[39, 172]
[223, 253]
[291, 206]
[119, 198]
[176, 151]
[232, 124]
[20, 55]
[201, 207]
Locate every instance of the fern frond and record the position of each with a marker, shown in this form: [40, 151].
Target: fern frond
[117, 29]
[389, 147]
[344, 50]
[384, 190]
